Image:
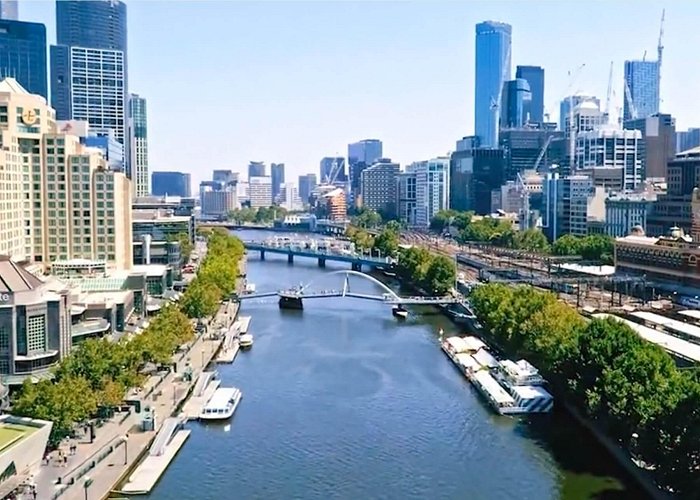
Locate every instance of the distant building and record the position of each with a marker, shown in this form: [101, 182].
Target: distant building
[138, 145]
[177, 205]
[9, 10]
[171, 183]
[378, 187]
[609, 148]
[366, 151]
[260, 191]
[35, 325]
[23, 53]
[573, 102]
[493, 55]
[156, 237]
[356, 170]
[217, 200]
[488, 174]
[330, 203]
[534, 75]
[569, 203]
[277, 176]
[515, 101]
[462, 173]
[289, 197]
[406, 196]
[642, 79]
[523, 147]
[112, 149]
[224, 176]
[307, 183]
[687, 139]
[432, 188]
[625, 211]
[658, 134]
[256, 169]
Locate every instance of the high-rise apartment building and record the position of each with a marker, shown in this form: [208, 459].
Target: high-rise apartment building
[534, 75]
[289, 197]
[256, 169]
[216, 200]
[406, 197]
[260, 194]
[23, 54]
[432, 188]
[569, 203]
[89, 65]
[9, 10]
[659, 135]
[378, 188]
[515, 101]
[138, 145]
[224, 176]
[171, 184]
[642, 80]
[307, 183]
[277, 176]
[613, 150]
[493, 54]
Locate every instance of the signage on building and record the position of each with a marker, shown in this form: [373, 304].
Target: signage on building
[5, 298]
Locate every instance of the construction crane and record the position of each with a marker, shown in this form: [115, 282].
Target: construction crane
[630, 102]
[496, 101]
[522, 188]
[609, 94]
[573, 76]
[660, 52]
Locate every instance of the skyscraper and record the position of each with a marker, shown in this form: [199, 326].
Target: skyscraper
[89, 64]
[23, 54]
[516, 99]
[277, 174]
[224, 176]
[492, 70]
[171, 183]
[9, 10]
[366, 150]
[642, 80]
[256, 169]
[307, 183]
[378, 187]
[534, 113]
[138, 145]
[432, 188]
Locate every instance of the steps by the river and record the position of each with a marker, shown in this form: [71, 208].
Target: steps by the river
[193, 407]
[164, 436]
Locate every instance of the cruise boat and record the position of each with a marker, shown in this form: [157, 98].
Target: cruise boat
[222, 404]
[245, 340]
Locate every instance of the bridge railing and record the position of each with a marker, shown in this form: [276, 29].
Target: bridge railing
[296, 247]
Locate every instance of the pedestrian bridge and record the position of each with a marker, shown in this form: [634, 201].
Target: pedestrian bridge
[323, 251]
[292, 298]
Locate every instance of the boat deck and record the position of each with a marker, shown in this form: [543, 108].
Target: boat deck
[194, 405]
[229, 354]
[243, 324]
[146, 475]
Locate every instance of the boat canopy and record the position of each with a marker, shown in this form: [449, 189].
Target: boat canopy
[485, 359]
[467, 361]
[493, 388]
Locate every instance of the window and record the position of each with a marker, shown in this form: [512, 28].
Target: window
[4, 337]
[36, 334]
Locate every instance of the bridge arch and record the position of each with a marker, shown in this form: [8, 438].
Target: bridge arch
[358, 274]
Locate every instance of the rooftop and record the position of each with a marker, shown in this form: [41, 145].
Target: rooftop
[11, 433]
[12, 86]
[14, 278]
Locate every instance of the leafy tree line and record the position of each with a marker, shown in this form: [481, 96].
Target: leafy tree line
[433, 273]
[387, 241]
[97, 374]
[501, 233]
[631, 388]
[256, 215]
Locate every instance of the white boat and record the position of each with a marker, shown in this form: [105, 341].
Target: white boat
[222, 404]
[245, 340]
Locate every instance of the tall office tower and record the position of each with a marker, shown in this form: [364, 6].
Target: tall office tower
[332, 170]
[659, 136]
[138, 146]
[378, 187]
[516, 99]
[289, 197]
[89, 65]
[642, 82]
[217, 200]
[366, 150]
[256, 169]
[574, 101]
[534, 75]
[23, 55]
[21, 135]
[307, 183]
[224, 176]
[432, 188]
[9, 10]
[260, 194]
[492, 70]
[171, 184]
[277, 175]
[612, 157]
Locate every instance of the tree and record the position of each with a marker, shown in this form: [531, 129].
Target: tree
[186, 246]
[367, 218]
[440, 275]
[567, 245]
[200, 300]
[531, 240]
[387, 242]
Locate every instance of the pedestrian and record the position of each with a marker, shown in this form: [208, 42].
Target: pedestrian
[65, 460]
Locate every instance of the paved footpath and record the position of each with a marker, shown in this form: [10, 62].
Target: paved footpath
[106, 473]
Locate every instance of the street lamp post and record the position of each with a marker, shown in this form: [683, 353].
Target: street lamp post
[126, 449]
[86, 486]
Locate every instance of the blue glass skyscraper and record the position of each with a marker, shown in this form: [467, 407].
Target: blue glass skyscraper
[23, 55]
[534, 112]
[515, 101]
[98, 24]
[642, 78]
[492, 70]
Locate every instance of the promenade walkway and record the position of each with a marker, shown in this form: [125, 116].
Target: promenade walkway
[163, 400]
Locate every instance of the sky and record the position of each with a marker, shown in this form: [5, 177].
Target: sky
[291, 82]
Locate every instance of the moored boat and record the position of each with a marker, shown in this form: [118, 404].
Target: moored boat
[245, 340]
[399, 312]
[222, 404]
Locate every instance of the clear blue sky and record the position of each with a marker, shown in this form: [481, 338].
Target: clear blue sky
[232, 81]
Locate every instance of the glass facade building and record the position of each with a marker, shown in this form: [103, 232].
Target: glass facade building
[171, 184]
[277, 174]
[516, 99]
[99, 24]
[366, 150]
[307, 183]
[492, 65]
[112, 149]
[138, 145]
[642, 78]
[534, 75]
[23, 55]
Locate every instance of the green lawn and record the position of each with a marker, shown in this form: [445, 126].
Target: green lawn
[11, 433]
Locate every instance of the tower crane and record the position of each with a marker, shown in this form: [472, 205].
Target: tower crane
[573, 76]
[660, 52]
[630, 102]
[609, 94]
[496, 101]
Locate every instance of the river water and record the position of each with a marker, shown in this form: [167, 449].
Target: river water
[343, 401]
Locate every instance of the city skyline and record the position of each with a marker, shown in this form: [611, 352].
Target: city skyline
[299, 113]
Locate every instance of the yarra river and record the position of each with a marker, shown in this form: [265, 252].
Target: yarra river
[343, 401]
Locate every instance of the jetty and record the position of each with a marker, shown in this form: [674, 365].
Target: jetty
[204, 389]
